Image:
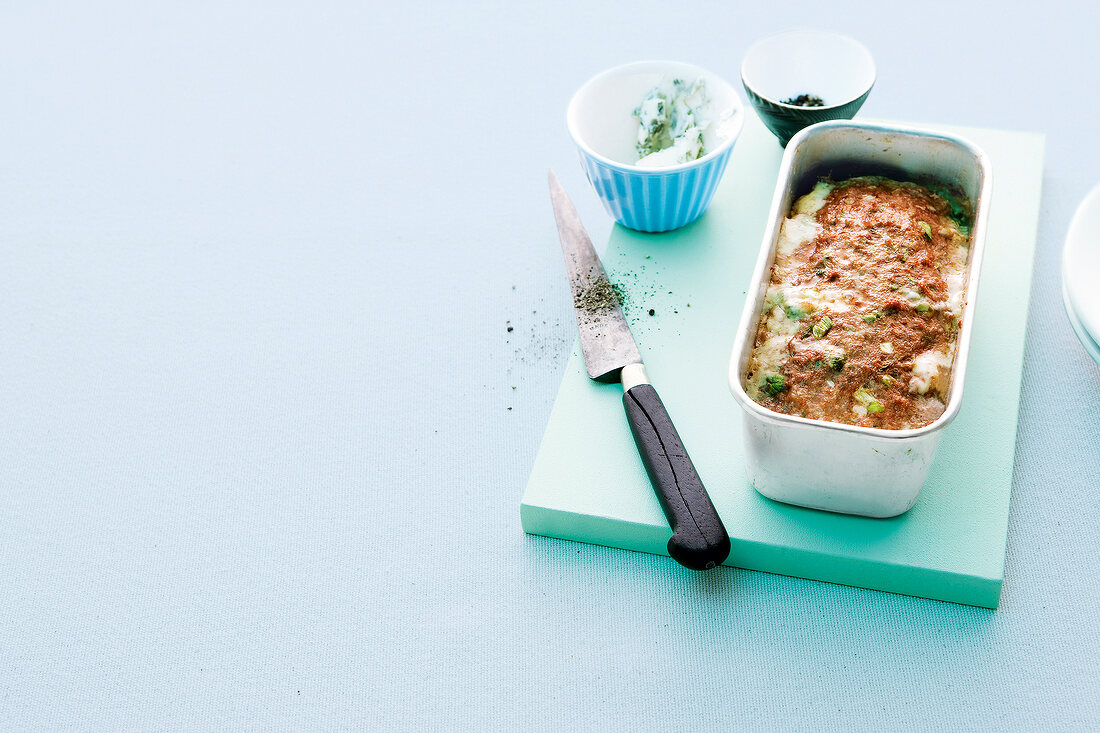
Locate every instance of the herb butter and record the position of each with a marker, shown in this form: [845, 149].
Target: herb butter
[670, 127]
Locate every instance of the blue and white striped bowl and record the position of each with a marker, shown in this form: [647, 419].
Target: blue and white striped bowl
[601, 121]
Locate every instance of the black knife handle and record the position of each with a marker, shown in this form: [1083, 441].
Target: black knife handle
[699, 540]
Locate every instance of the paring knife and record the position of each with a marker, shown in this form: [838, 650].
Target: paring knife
[699, 540]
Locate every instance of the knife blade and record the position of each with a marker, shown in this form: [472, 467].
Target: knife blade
[699, 540]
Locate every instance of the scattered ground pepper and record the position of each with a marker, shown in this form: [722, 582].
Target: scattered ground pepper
[601, 295]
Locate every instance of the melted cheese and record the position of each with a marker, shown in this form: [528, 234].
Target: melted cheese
[930, 369]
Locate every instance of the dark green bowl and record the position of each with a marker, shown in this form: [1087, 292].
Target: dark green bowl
[834, 67]
[785, 119]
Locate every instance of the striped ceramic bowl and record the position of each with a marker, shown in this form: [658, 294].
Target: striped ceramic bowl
[836, 69]
[601, 121]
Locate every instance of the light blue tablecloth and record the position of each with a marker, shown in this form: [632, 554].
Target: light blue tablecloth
[265, 433]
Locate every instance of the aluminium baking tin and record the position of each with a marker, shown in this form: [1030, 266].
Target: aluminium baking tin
[833, 466]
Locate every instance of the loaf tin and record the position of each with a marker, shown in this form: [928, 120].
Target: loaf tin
[836, 467]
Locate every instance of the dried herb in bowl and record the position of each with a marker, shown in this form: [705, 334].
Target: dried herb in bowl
[805, 100]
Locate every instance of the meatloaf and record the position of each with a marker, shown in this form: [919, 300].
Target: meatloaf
[861, 318]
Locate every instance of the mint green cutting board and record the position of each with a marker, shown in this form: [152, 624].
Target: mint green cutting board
[588, 483]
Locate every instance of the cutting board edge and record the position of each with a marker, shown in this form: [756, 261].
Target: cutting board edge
[965, 589]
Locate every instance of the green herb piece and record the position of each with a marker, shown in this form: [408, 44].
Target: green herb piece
[869, 318]
[961, 210]
[874, 407]
[773, 384]
[653, 117]
[822, 327]
[794, 312]
[836, 363]
[893, 287]
[864, 397]
[888, 380]
[926, 228]
[923, 308]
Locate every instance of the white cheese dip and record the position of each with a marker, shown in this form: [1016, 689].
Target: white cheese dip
[670, 128]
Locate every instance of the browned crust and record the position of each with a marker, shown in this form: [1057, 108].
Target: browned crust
[876, 225]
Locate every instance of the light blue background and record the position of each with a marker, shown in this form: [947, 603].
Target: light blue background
[257, 466]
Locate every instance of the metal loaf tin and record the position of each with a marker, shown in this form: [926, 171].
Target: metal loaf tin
[832, 466]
